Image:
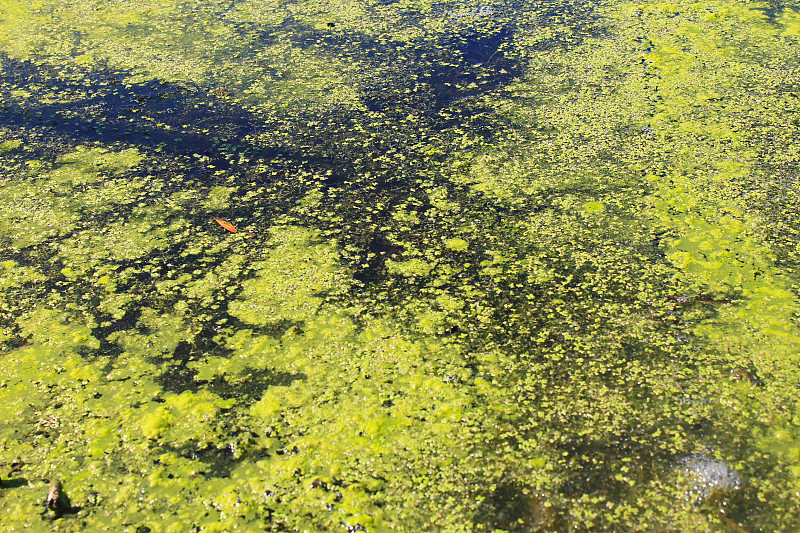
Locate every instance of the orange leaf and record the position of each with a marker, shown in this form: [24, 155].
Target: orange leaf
[227, 225]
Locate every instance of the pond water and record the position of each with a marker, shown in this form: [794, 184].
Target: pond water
[399, 265]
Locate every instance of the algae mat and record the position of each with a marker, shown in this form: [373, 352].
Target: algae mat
[399, 266]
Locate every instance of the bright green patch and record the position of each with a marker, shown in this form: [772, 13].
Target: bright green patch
[7, 146]
[457, 245]
[291, 282]
[594, 207]
[410, 268]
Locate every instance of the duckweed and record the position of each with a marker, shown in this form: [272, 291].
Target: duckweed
[518, 267]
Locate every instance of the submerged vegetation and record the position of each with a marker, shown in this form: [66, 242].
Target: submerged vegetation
[399, 266]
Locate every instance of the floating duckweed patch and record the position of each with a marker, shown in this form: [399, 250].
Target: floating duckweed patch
[291, 283]
[7, 146]
[399, 266]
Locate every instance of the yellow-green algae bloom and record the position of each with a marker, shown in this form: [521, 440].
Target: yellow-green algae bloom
[497, 267]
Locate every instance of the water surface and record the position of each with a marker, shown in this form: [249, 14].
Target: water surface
[399, 266]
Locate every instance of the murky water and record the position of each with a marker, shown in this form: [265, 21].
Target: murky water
[399, 266]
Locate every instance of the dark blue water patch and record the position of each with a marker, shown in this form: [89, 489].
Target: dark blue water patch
[447, 71]
[176, 123]
[99, 108]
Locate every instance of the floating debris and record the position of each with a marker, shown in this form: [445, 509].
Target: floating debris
[227, 225]
[230, 227]
[57, 501]
[747, 375]
[687, 300]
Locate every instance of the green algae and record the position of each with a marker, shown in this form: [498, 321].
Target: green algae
[218, 198]
[49, 206]
[291, 283]
[456, 244]
[7, 146]
[410, 268]
[432, 324]
[150, 40]
[15, 275]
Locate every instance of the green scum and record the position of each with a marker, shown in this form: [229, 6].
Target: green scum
[512, 267]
